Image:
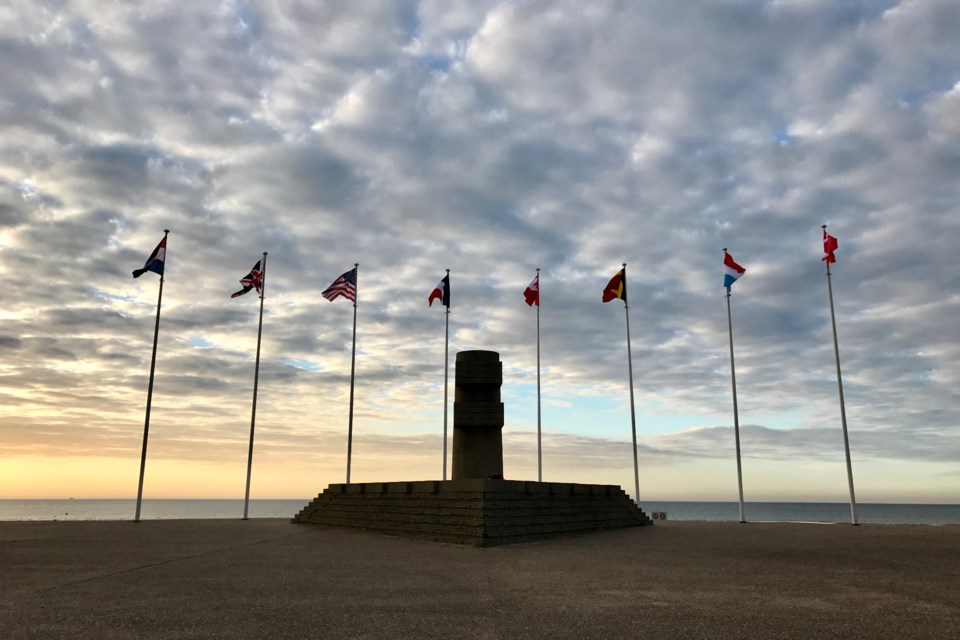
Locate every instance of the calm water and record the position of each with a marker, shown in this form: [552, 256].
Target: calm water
[716, 511]
[149, 510]
[808, 512]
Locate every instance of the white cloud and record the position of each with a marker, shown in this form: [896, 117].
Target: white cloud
[488, 138]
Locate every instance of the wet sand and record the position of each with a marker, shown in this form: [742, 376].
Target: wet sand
[273, 579]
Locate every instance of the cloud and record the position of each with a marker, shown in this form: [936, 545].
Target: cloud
[811, 443]
[488, 138]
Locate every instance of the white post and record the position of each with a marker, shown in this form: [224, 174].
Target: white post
[843, 411]
[353, 369]
[736, 414]
[446, 378]
[153, 364]
[256, 380]
[633, 412]
[539, 443]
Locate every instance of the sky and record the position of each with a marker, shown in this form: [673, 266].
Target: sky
[491, 139]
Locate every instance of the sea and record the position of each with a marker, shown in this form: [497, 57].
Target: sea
[155, 509]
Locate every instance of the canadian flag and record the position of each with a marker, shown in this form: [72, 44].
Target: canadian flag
[532, 292]
[829, 246]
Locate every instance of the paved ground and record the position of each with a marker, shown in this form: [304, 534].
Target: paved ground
[271, 579]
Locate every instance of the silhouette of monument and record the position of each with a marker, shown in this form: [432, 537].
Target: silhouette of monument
[478, 416]
[477, 506]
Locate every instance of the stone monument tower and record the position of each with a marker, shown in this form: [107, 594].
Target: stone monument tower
[477, 506]
[478, 416]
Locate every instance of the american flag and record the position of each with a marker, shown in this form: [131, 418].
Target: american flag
[252, 280]
[345, 285]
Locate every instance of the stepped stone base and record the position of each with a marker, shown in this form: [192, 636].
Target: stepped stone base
[474, 512]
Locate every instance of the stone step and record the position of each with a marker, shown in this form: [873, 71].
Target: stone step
[475, 531]
[391, 520]
[478, 512]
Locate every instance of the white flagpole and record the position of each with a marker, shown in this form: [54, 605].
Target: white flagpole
[153, 364]
[256, 380]
[446, 377]
[843, 411]
[736, 414]
[353, 369]
[633, 413]
[539, 447]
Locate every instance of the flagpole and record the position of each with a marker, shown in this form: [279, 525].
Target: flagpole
[736, 414]
[446, 379]
[256, 379]
[353, 369]
[539, 447]
[633, 413]
[843, 411]
[153, 364]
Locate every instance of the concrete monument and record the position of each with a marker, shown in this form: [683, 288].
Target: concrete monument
[477, 506]
[478, 416]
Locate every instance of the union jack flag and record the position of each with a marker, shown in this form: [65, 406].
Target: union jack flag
[345, 285]
[253, 280]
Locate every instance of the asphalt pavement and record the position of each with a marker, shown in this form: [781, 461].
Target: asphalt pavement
[272, 579]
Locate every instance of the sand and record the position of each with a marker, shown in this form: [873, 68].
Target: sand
[272, 579]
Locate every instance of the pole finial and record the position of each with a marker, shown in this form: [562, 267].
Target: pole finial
[823, 226]
[356, 264]
[264, 253]
[624, 264]
[166, 230]
[724, 249]
[448, 270]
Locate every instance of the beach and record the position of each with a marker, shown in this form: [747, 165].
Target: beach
[267, 578]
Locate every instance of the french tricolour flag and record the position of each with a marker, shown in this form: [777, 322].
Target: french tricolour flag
[731, 270]
[441, 292]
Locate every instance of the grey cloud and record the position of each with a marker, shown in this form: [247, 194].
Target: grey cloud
[812, 443]
[10, 215]
[490, 139]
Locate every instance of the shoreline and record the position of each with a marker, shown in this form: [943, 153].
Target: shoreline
[164, 509]
[664, 522]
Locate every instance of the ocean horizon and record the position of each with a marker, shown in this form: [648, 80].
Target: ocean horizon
[79, 509]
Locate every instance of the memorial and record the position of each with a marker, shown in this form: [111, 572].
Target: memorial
[478, 416]
[477, 507]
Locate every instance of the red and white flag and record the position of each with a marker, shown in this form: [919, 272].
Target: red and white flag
[345, 285]
[829, 246]
[532, 292]
[253, 280]
[155, 261]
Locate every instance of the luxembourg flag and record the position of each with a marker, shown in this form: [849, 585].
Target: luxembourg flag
[731, 270]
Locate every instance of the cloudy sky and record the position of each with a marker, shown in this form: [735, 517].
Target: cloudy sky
[490, 138]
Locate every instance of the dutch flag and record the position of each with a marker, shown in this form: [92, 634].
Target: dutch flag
[731, 270]
[155, 262]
